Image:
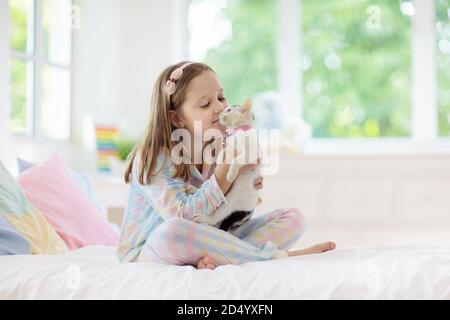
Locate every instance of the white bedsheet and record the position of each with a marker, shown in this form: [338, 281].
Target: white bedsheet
[358, 273]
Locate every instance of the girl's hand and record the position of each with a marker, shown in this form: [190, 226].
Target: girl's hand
[221, 174]
[244, 169]
[221, 171]
[258, 183]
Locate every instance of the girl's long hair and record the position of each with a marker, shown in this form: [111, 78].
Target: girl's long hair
[157, 135]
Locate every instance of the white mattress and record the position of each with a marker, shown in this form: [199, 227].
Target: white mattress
[358, 273]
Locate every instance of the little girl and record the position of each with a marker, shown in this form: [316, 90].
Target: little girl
[158, 225]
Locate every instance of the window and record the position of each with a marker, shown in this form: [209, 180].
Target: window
[356, 68]
[40, 75]
[361, 68]
[22, 65]
[237, 38]
[443, 65]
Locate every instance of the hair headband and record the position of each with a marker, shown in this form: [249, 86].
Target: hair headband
[176, 74]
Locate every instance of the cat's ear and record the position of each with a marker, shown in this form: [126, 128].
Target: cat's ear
[247, 107]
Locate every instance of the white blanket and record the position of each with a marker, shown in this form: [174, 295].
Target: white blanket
[359, 273]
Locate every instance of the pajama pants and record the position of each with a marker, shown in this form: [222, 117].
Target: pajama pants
[182, 242]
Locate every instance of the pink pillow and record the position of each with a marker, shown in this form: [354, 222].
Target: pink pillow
[51, 188]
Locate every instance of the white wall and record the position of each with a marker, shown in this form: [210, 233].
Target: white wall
[120, 49]
[365, 200]
[376, 190]
[146, 30]
[96, 73]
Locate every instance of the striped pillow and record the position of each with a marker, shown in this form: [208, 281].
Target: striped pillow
[25, 219]
[11, 241]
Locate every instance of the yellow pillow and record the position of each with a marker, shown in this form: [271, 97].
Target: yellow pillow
[27, 219]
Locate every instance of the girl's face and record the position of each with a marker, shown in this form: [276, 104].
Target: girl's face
[204, 101]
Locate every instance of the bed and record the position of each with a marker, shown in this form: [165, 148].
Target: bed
[92, 272]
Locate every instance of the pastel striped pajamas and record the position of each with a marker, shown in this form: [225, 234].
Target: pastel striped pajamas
[159, 227]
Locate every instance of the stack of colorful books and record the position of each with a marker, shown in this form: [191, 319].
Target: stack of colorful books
[106, 147]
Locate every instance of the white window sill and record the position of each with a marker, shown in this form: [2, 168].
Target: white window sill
[374, 147]
[22, 138]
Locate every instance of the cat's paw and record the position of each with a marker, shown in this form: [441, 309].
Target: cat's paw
[202, 218]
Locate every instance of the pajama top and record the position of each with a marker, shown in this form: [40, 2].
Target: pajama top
[165, 197]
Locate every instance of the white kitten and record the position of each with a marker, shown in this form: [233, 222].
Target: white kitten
[242, 197]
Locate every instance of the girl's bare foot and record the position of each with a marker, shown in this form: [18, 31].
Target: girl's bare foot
[207, 262]
[318, 248]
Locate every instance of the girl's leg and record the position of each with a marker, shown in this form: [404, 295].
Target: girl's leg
[179, 241]
[283, 227]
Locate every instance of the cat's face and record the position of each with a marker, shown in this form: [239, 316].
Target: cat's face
[236, 116]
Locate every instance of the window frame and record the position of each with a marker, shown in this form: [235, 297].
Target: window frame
[38, 61]
[424, 136]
